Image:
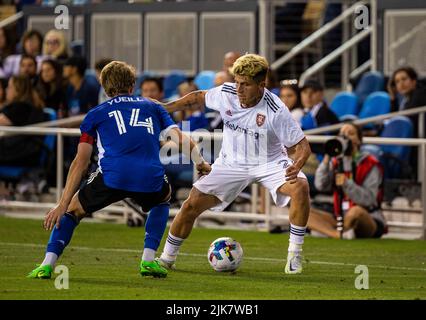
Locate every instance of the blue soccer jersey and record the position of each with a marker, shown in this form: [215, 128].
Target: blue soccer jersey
[127, 131]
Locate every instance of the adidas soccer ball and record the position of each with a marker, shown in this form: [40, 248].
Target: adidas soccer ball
[225, 254]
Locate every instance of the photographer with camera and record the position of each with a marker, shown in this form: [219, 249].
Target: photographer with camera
[356, 179]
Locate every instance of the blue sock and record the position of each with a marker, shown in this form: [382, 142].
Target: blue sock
[60, 238]
[155, 226]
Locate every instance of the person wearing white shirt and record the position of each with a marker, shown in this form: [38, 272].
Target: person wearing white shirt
[256, 127]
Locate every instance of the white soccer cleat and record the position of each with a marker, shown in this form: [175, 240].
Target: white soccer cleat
[294, 263]
[168, 264]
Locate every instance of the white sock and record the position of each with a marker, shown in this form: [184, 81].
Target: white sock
[49, 259]
[148, 254]
[297, 236]
[171, 248]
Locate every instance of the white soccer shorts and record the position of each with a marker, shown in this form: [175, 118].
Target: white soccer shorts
[226, 182]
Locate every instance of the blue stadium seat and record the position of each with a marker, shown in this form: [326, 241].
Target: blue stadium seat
[396, 158]
[370, 82]
[205, 80]
[171, 83]
[376, 104]
[14, 173]
[373, 149]
[398, 127]
[344, 104]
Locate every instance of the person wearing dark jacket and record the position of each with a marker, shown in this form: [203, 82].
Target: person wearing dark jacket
[316, 112]
[20, 110]
[51, 86]
[404, 84]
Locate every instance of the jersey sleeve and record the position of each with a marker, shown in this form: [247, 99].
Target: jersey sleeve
[287, 129]
[214, 98]
[166, 122]
[88, 126]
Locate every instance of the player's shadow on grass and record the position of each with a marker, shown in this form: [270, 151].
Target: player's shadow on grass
[265, 276]
[121, 283]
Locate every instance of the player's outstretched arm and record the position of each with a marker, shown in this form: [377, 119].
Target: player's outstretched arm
[192, 101]
[193, 153]
[299, 153]
[77, 171]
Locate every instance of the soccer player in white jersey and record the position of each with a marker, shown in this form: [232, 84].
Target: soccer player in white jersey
[257, 128]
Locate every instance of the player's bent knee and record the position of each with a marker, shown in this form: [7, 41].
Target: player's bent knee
[189, 208]
[303, 186]
[297, 190]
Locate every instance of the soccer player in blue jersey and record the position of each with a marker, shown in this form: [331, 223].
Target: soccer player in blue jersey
[126, 130]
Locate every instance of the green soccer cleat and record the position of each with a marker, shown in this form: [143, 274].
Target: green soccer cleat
[294, 263]
[41, 272]
[152, 268]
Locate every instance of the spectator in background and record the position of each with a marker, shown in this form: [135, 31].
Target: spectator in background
[317, 113]
[51, 87]
[152, 88]
[195, 119]
[81, 95]
[55, 45]
[20, 110]
[32, 41]
[28, 67]
[361, 183]
[99, 65]
[221, 77]
[290, 95]
[7, 46]
[225, 75]
[3, 85]
[404, 85]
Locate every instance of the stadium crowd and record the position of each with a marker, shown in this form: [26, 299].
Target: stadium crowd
[41, 73]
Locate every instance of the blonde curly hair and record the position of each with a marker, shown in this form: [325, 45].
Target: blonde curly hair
[251, 65]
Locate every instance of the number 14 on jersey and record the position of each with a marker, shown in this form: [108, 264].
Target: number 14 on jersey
[134, 121]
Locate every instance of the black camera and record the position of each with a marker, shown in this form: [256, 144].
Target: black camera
[338, 146]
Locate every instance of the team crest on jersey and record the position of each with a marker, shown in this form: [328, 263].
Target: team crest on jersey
[229, 113]
[260, 119]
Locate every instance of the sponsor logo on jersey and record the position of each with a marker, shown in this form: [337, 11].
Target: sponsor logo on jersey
[237, 128]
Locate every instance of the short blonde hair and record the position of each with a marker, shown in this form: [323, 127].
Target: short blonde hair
[117, 77]
[251, 65]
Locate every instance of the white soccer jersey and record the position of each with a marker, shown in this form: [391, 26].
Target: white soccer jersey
[252, 136]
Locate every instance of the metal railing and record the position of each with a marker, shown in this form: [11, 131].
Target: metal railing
[334, 55]
[316, 35]
[268, 217]
[11, 19]
[361, 69]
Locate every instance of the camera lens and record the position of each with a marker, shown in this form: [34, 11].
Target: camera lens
[333, 147]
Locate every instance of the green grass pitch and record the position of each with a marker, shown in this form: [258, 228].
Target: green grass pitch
[103, 262]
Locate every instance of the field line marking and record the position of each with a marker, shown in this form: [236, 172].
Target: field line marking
[34, 245]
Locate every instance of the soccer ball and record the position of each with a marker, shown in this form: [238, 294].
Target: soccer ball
[225, 254]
